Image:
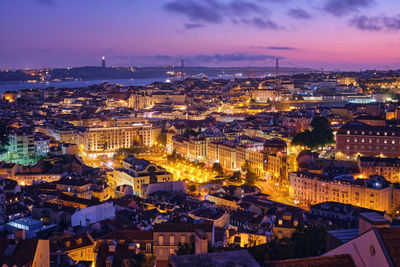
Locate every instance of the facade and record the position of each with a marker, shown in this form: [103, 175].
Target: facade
[167, 236]
[224, 201]
[227, 156]
[78, 247]
[42, 145]
[197, 148]
[141, 100]
[35, 178]
[93, 214]
[21, 147]
[309, 188]
[266, 95]
[359, 139]
[137, 172]
[386, 167]
[66, 135]
[95, 142]
[277, 165]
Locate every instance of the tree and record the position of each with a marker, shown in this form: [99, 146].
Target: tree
[305, 242]
[251, 178]
[4, 132]
[186, 248]
[192, 188]
[308, 241]
[321, 134]
[162, 139]
[235, 176]
[218, 168]
[246, 166]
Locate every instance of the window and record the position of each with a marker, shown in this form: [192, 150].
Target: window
[171, 240]
[161, 240]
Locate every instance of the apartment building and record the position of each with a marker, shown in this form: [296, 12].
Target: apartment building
[21, 147]
[386, 167]
[310, 188]
[94, 142]
[359, 139]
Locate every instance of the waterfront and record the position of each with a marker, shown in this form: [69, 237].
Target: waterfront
[12, 86]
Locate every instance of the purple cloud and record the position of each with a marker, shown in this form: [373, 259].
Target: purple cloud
[299, 13]
[339, 8]
[384, 23]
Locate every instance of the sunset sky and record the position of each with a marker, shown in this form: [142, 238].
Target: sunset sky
[329, 34]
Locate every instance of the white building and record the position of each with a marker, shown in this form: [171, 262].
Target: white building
[93, 214]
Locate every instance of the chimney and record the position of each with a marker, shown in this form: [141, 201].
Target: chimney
[367, 220]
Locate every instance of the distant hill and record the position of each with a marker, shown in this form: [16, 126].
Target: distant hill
[100, 73]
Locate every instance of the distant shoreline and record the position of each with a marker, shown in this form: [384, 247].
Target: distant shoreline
[18, 85]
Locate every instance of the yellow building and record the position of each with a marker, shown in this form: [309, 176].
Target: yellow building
[245, 240]
[347, 80]
[32, 178]
[78, 247]
[224, 201]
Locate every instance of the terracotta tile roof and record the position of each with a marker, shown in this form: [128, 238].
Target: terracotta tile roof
[131, 235]
[19, 255]
[75, 242]
[221, 259]
[326, 261]
[391, 240]
[182, 227]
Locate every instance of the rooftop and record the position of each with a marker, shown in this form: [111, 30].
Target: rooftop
[221, 259]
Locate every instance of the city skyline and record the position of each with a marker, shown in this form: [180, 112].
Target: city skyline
[327, 34]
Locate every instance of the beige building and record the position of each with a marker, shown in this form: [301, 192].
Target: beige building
[141, 100]
[256, 162]
[310, 188]
[137, 172]
[34, 178]
[96, 142]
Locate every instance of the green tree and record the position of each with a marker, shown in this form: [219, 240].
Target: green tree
[192, 188]
[321, 134]
[305, 242]
[251, 178]
[162, 139]
[218, 168]
[235, 176]
[186, 248]
[309, 241]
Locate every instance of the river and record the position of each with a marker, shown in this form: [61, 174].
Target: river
[12, 86]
